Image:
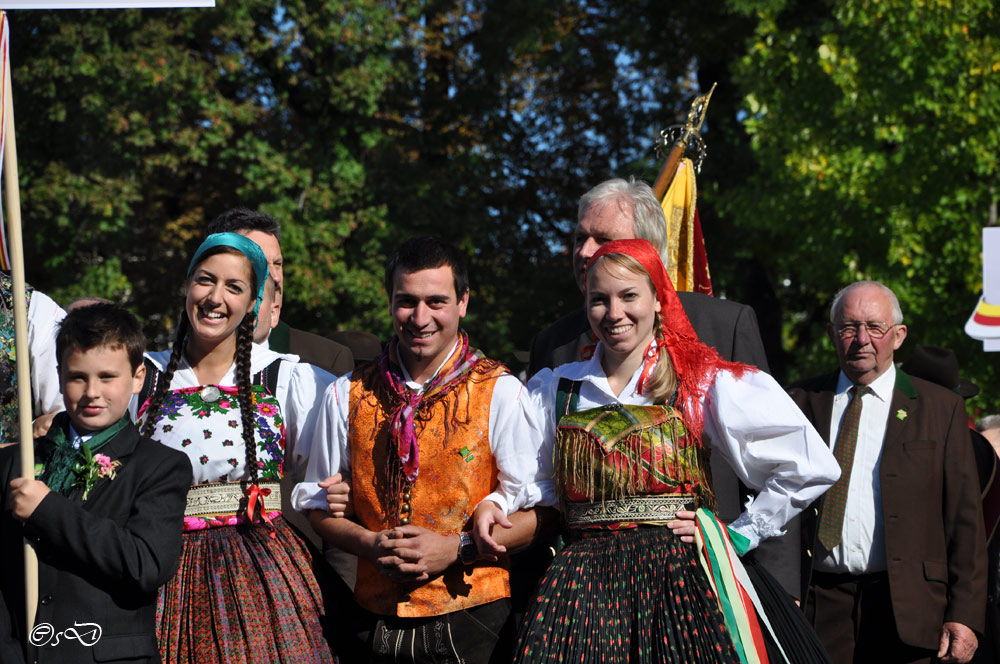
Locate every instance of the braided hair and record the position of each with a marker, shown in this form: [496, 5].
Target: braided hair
[244, 346]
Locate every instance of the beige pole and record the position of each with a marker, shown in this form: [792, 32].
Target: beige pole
[13, 204]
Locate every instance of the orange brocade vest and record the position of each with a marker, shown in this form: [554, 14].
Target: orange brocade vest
[456, 472]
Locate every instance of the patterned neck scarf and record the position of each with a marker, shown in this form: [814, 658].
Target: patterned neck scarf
[695, 364]
[405, 402]
[58, 473]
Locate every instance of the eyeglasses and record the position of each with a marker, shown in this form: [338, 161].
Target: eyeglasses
[875, 329]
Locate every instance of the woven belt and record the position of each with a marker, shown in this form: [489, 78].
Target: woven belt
[225, 498]
[637, 509]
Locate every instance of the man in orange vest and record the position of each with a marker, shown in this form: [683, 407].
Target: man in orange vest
[430, 436]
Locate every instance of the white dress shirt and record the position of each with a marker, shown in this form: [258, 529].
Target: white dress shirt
[514, 434]
[76, 439]
[862, 546]
[751, 421]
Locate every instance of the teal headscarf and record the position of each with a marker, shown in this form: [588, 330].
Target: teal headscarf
[244, 245]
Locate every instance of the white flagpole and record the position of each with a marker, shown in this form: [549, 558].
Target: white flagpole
[12, 199]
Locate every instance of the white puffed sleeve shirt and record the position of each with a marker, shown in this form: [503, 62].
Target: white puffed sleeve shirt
[750, 420]
[44, 316]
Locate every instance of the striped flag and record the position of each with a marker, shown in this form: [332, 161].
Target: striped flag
[4, 86]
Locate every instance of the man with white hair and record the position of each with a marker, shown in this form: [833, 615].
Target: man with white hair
[895, 563]
[620, 209]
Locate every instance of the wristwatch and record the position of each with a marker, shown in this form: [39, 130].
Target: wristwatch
[467, 549]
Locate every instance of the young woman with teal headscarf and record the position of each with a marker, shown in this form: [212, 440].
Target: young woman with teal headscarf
[244, 591]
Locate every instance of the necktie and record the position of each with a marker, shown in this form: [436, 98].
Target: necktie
[831, 522]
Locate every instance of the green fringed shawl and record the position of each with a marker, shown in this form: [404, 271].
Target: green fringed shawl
[617, 451]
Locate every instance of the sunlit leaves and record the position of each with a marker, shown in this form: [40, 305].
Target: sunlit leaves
[875, 125]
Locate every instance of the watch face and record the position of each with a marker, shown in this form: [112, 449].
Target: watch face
[469, 551]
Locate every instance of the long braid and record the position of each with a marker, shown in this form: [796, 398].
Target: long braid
[662, 379]
[244, 343]
[163, 384]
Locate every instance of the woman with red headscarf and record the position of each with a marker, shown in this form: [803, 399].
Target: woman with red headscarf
[632, 429]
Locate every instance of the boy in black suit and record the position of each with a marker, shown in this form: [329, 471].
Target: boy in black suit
[106, 512]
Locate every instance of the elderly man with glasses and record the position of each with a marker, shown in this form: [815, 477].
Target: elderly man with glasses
[894, 566]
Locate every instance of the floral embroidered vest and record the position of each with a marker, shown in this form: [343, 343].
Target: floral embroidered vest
[8, 360]
[205, 423]
[456, 472]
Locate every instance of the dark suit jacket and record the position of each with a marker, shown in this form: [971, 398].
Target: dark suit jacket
[10, 649]
[731, 328]
[934, 541]
[100, 560]
[312, 348]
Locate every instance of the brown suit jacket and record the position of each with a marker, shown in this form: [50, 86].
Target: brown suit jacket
[934, 537]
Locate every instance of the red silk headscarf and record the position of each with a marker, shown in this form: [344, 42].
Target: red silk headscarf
[695, 364]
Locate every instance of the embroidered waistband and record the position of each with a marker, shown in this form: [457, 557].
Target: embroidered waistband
[226, 498]
[636, 509]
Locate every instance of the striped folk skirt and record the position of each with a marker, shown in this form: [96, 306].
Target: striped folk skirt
[242, 596]
[636, 595]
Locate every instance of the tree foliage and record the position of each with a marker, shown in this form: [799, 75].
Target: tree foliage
[355, 123]
[139, 126]
[874, 128]
[847, 139]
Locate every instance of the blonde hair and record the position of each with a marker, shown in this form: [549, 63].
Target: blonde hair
[662, 381]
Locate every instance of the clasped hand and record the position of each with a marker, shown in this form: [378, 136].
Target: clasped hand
[684, 525]
[413, 554]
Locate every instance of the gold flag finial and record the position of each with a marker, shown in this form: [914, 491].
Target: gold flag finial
[679, 138]
[699, 108]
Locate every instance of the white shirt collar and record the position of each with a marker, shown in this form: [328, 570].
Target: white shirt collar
[591, 371]
[881, 387]
[414, 385]
[261, 356]
[78, 439]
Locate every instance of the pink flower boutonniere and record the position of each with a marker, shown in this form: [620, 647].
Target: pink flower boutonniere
[92, 468]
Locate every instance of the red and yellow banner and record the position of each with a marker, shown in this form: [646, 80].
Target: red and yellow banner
[687, 261]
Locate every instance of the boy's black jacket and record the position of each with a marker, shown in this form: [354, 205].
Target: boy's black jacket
[100, 561]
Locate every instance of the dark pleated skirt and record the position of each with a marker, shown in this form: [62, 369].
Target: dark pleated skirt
[796, 635]
[636, 596]
[242, 596]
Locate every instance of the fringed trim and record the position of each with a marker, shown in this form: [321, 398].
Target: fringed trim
[584, 468]
[645, 456]
[705, 493]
